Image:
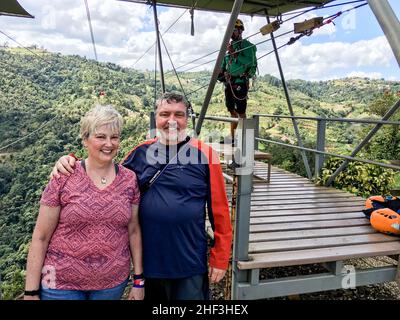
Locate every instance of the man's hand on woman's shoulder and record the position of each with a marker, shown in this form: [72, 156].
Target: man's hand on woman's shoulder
[64, 165]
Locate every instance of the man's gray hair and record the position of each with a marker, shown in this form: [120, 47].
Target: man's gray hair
[173, 97]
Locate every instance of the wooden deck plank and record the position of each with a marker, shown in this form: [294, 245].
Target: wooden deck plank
[271, 187]
[308, 225]
[331, 201]
[318, 196]
[299, 192]
[309, 211]
[283, 212]
[308, 217]
[300, 257]
[304, 206]
[310, 233]
[314, 243]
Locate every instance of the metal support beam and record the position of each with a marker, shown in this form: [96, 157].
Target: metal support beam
[319, 158]
[158, 45]
[397, 279]
[254, 277]
[313, 283]
[228, 33]
[336, 267]
[245, 157]
[388, 114]
[389, 24]
[152, 125]
[289, 103]
[256, 119]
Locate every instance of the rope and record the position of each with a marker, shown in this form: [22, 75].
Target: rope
[233, 93]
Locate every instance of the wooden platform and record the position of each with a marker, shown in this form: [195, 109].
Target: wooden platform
[293, 222]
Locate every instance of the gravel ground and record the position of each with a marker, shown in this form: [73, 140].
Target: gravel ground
[384, 291]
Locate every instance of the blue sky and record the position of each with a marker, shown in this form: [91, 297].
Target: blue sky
[355, 46]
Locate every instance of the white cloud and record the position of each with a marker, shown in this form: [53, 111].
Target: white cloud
[361, 74]
[124, 31]
[316, 61]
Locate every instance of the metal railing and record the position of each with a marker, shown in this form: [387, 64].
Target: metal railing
[320, 145]
[321, 133]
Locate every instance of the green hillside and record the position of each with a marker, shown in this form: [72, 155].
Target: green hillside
[45, 95]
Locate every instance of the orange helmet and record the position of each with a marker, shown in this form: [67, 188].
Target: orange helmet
[368, 202]
[239, 24]
[386, 220]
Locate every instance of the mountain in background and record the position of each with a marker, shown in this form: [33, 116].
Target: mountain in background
[43, 96]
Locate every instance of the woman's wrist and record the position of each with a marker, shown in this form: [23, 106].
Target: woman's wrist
[32, 292]
[138, 280]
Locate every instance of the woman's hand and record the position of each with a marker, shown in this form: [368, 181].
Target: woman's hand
[136, 294]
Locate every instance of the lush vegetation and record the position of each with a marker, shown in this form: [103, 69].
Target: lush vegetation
[44, 95]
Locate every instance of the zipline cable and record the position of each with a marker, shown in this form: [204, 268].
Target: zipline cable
[26, 48]
[160, 34]
[228, 54]
[191, 111]
[298, 14]
[327, 20]
[91, 29]
[28, 135]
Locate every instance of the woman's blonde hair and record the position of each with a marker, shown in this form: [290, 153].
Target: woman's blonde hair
[99, 116]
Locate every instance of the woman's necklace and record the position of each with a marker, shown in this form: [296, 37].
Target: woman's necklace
[103, 180]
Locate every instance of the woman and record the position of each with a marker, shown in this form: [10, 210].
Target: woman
[88, 227]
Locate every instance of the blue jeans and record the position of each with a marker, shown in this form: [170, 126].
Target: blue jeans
[105, 294]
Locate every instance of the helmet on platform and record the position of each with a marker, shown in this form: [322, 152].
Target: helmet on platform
[386, 220]
[369, 204]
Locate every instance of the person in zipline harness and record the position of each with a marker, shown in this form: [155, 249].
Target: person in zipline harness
[238, 66]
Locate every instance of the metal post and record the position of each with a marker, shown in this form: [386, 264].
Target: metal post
[388, 114]
[228, 33]
[256, 119]
[289, 103]
[243, 203]
[159, 46]
[152, 125]
[319, 158]
[389, 24]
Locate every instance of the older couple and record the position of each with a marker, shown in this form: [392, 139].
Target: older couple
[88, 230]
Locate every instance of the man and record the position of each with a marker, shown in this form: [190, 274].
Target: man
[238, 66]
[179, 176]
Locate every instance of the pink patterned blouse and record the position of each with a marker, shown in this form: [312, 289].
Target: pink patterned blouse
[89, 249]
